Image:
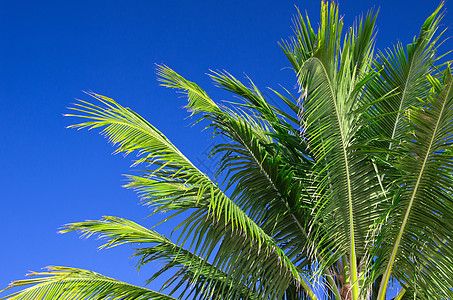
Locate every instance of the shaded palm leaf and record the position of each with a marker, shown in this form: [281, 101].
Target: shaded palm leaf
[418, 238]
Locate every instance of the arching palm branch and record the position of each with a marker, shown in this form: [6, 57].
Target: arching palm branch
[342, 192]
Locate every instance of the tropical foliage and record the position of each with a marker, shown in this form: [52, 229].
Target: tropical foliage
[341, 194]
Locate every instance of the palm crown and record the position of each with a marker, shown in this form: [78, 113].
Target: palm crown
[344, 191]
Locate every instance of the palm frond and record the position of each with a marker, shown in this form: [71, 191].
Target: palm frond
[418, 238]
[302, 46]
[402, 74]
[76, 284]
[200, 277]
[333, 80]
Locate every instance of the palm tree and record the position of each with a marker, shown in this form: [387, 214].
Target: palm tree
[342, 193]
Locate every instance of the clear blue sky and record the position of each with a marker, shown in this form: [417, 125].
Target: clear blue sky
[52, 50]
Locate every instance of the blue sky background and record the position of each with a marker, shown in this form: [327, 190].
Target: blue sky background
[52, 50]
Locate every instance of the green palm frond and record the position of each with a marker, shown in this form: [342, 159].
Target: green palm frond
[174, 172]
[192, 270]
[419, 239]
[332, 82]
[254, 99]
[403, 75]
[252, 153]
[70, 284]
[214, 215]
[302, 46]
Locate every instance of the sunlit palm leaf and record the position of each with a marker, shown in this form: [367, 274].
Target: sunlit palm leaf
[215, 215]
[76, 284]
[332, 82]
[200, 277]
